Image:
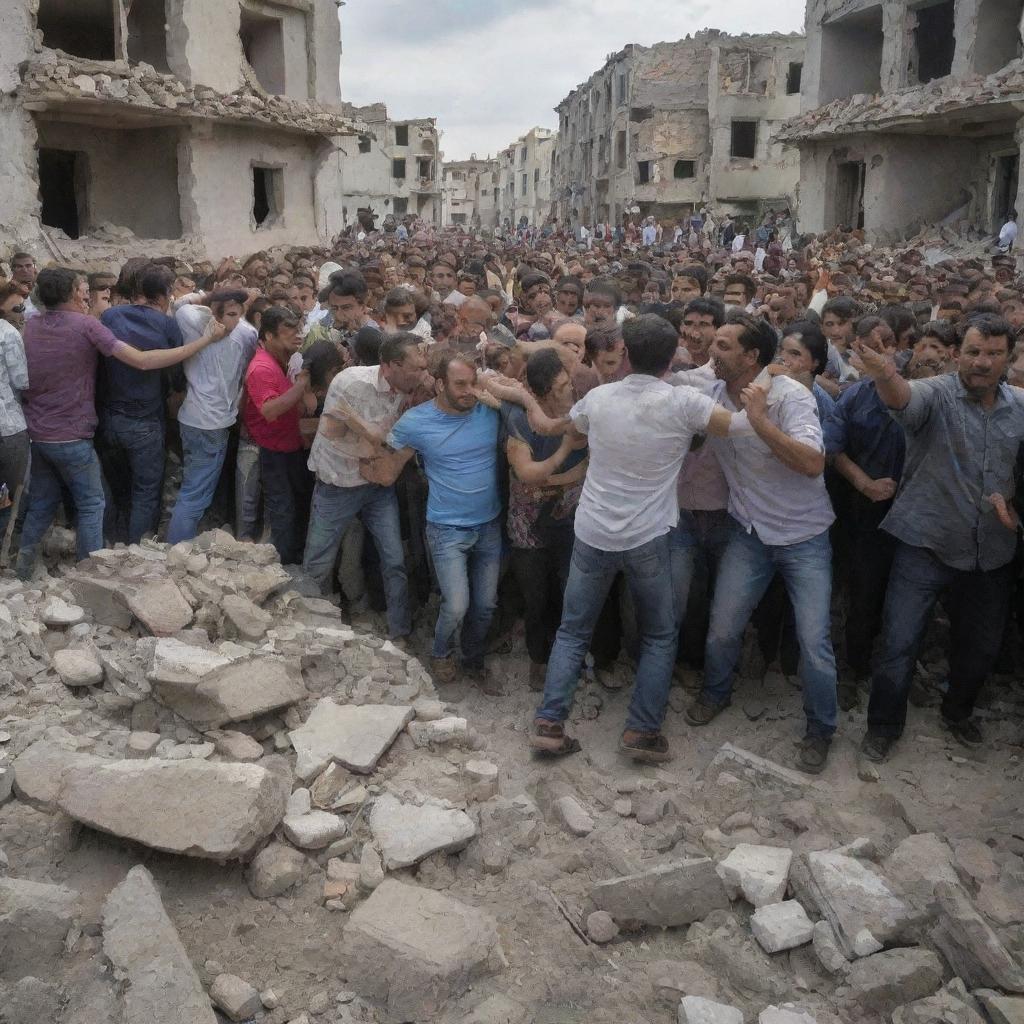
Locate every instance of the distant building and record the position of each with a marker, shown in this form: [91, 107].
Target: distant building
[524, 178]
[461, 199]
[666, 130]
[911, 115]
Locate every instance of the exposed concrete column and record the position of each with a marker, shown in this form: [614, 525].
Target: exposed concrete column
[328, 190]
[897, 44]
[1019, 138]
[203, 44]
[966, 31]
[19, 171]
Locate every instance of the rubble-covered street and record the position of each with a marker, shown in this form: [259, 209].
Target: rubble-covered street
[222, 803]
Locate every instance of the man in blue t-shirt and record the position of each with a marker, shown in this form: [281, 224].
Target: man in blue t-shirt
[131, 404]
[456, 438]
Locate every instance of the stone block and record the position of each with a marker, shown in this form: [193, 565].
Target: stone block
[77, 667]
[177, 662]
[235, 998]
[34, 921]
[759, 772]
[275, 869]
[757, 873]
[574, 816]
[161, 607]
[40, 769]
[141, 745]
[668, 896]
[786, 1014]
[408, 832]
[103, 601]
[885, 980]
[314, 830]
[247, 620]
[413, 949]
[781, 926]
[918, 864]
[58, 614]
[697, 1010]
[826, 948]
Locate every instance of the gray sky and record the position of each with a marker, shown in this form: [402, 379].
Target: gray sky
[489, 70]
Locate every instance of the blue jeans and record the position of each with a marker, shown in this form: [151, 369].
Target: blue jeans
[204, 452]
[72, 464]
[648, 576]
[333, 510]
[467, 561]
[699, 537]
[138, 443]
[746, 569]
[981, 602]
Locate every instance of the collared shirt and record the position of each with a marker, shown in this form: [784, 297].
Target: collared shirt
[265, 380]
[138, 394]
[13, 380]
[639, 430]
[62, 349]
[702, 486]
[214, 374]
[783, 506]
[861, 428]
[958, 453]
[337, 449]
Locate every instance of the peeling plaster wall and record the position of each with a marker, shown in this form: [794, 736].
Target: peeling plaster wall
[326, 35]
[204, 47]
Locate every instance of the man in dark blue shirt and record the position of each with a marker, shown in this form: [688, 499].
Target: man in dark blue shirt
[131, 429]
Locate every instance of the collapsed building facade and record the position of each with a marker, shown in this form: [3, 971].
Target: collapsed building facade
[524, 178]
[911, 115]
[669, 129]
[467, 192]
[393, 170]
[216, 121]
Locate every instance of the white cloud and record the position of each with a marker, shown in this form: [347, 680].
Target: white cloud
[489, 71]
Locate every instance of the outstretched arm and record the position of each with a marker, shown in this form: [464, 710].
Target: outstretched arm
[800, 457]
[161, 358]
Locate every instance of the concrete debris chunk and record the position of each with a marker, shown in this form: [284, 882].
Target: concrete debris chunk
[441, 732]
[103, 600]
[175, 661]
[77, 667]
[314, 830]
[275, 869]
[885, 980]
[371, 870]
[413, 949]
[971, 948]
[192, 807]
[141, 745]
[161, 607]
[235, 998]
[757, 873]
[758, 771]
[247, 620]
[668, 896]
[1001, 1009]
[236, 746]
[40, 769]
[58, 614]
[140, 941]
[859, 904]
[355, 736]
[408, 832]
[826, 948]
[574, 816]
[786, 1014]
[601, 927]
[781, 926]
[698, 1010]
[918, 864]
[34, 921]
[482, 779]
[950, 1005]
[237, 692]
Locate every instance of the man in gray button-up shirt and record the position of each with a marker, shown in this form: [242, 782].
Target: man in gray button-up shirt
[953, 523]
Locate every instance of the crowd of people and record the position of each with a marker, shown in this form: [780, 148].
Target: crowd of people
[638, 442]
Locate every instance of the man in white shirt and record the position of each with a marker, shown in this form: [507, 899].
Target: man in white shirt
[782, 514]
[650, 233]
[1008, 232]
[638, 430]
[363, 403]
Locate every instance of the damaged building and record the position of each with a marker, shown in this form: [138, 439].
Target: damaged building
[524, 178]
[669, 129]
[392, 170]
[217, 122]
[461, 192]
[911, 115]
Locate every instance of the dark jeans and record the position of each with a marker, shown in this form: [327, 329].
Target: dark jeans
[131, 452]
[867, 576]
[287, 488]
[541, 574]
[916, 581]
[13, 464]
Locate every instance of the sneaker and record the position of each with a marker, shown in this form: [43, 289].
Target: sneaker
[965, 732]
[875, 746]
[813, 754]
[443, 670]
[702, 711]
[538, 673]
[650, 748]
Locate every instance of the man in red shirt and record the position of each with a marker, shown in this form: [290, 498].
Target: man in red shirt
[272, 412]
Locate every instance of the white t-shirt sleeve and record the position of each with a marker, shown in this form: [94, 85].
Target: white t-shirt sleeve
[579, 415]
[695, 409]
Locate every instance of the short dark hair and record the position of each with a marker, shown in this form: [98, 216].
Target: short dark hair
[707, 306]
[533, 278]
[812, 339]
[101, 280]
[366, 346]
[542, 369]
[941, 331]
[276, 317]
[222, 296]
[756, 334]
[899, 318]
[398, 297]
[651, 342]
[843, 307]
[395, 347]
[866, 324]
[602, 338]
[155, 283]
[440, 369]
[349, 283]
[697, 273]
[570, 284]
[749, 288]
[988, 326]
[56, 285]
[604, 286]
[319, 359]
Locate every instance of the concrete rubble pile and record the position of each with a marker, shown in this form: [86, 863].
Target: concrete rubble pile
[245, 810]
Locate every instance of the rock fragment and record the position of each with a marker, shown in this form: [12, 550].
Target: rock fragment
[918, 864]
[78, 667]
[757, 873]
[408, 832]
[601, 927]
[574, 816]
[314, 830]
[668, 896]
[885, 980]
[34, 920]
[274, 870]
[235, 998]
[58, 614]
[826, 948]
[247, 620]
[161, 607]
[697, 1010]
[781, 926]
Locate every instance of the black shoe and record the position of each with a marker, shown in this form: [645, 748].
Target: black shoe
[965, 732]
[848, 696]
[813, 754]
[875, 746]
[702, 711]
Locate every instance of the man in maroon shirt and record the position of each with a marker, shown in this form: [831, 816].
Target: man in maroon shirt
[62, 347]
[273, 408]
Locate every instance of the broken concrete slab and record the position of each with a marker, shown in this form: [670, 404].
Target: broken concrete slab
[864, 912]
[697, 1010]
[827, 950]
[103, 600]
[785, 1014]
[950, 1005]
[574, 816]
[58, 614]
[235, 693]
[1001, 1009]
[406, 832]
[314, 830]
[412, 949]
[275, 869]
[970, 946]
[77, 667]
[235, 746]
[885, 980]
[34, 921]
[160, 606]
[669, 895]
[757, 771]
[175, 661]
[356, 736]
[246, 620]
[781, 926]
[757, 873]
[40, 769]
[142, 943]
[234, 997]
[918, 864]
[192, 807]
